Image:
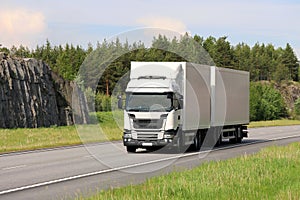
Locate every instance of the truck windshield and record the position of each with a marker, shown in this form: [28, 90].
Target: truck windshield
[149, 102]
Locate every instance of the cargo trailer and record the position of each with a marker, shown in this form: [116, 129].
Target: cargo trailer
[183, 104]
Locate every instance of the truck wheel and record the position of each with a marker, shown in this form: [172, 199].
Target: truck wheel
[236, 140]
[197, 142]
[239, 140]
[180, 146]
[239, 137]
[232, 141]
[131, 149]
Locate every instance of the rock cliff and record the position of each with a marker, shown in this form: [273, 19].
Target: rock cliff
[31, 95]
[290, 91]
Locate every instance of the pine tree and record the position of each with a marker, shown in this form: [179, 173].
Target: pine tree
[242, 57]
[290, 61]
[223, 53]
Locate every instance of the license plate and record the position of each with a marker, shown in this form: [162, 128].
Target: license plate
[147, 144]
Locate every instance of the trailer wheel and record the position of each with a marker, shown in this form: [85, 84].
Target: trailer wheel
[232, 141]
[239, 140]
[238, 136]
[131, 149]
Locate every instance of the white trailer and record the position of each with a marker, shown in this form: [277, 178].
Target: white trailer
[182, 104]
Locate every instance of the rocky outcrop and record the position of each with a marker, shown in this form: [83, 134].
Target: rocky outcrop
[68, 95]
[31, 95]
[290, 91]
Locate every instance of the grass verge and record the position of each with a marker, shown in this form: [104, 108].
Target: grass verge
[21, 139]
[272, 173]
[281, 122]
[36, 138]
[30, 139]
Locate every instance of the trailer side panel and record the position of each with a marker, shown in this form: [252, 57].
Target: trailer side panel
[196, 112]
[231, 97]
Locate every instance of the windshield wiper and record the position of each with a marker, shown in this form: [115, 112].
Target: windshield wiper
[138, 109]
[133, 110]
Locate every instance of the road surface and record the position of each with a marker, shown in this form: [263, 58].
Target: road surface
[63, 173]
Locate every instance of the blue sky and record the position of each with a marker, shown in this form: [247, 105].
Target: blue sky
[31, 22]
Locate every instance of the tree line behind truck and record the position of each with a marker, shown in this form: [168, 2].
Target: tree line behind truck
[264, 62]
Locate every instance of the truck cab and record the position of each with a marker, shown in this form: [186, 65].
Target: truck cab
[151, 119]
[153, 105]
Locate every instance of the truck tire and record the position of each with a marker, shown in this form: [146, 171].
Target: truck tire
[131, 149]
[238, 136]
[239, 140]
[180, 145]
[219, 141]
[232, 141]
[197, 142]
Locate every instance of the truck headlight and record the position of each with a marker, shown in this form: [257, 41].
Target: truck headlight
[127, 134]
[169, 134]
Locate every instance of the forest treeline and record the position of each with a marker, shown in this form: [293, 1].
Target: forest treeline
[263, 61]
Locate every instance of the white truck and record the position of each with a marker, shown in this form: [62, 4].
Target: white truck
[184, 104]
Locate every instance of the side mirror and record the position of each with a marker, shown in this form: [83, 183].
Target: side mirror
[180, 100]
[120, 102]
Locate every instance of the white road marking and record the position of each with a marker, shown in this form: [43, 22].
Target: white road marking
[14, 167]
[89, 156]
[132, 165]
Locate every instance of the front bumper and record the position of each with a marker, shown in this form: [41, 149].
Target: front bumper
[168, 139]
[145, 143]
[139, 143]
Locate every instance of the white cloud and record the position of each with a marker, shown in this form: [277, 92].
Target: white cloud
[21, 26]
[164, 23]
[242, 21]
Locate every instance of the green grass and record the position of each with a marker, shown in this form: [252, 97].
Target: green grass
[272, 173]
[281, 122]
[36, 138]
[28, 139]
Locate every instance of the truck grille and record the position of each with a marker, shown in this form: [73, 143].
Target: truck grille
[147, 136]
[147, 123]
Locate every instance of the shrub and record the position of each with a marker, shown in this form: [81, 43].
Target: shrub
[104, 102]
[297, 107]
[266, 103]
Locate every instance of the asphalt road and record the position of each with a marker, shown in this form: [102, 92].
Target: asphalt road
[64, 173]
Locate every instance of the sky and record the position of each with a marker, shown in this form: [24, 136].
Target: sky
[32, 22]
